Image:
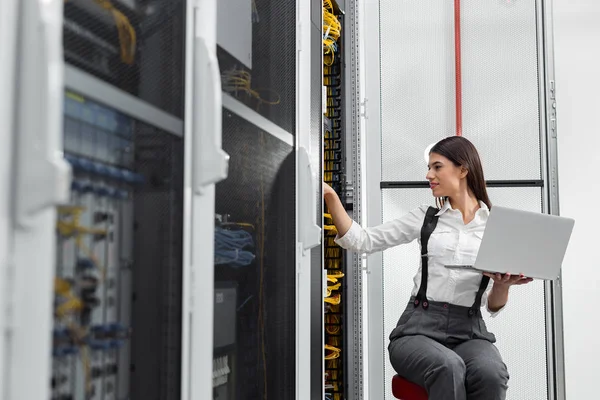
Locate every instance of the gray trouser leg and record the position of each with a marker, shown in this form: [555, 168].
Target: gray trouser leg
[429, 364]
[486, 376]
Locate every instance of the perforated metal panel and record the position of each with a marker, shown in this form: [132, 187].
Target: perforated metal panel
[399, 266]
[522, 349]
[500, 85]
[417, 83]
[260, 191]
[521, 327]
[157, 267]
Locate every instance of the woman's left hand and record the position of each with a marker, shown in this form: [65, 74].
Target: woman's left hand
[508, 279]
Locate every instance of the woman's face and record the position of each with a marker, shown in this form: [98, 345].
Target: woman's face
[444, 177]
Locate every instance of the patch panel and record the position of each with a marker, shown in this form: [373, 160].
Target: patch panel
[89, 334]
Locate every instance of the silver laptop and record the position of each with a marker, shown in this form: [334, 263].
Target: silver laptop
[531, 243]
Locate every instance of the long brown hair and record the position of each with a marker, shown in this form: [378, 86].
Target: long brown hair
[463, 153]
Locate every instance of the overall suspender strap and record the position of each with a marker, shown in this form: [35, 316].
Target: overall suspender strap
[427, 229]
[485, 280]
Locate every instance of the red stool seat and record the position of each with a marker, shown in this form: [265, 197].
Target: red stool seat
[406, 390]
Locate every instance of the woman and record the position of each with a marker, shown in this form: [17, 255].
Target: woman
[441, 341]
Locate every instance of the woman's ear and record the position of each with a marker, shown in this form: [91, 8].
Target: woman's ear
[463, 172]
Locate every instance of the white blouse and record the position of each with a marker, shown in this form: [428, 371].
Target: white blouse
[451, 243]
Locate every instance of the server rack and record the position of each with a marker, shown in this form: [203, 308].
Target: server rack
[336, 302]
[342, 170]
[141, 229]
[120, 267]
[118, 316]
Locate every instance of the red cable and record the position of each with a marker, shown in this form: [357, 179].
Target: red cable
[458, 68]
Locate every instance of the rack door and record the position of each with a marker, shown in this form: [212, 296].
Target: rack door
[40, 179]
[255, 266]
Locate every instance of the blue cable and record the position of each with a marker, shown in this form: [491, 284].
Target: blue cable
[239, 239]
[238, 258]
[230, 245]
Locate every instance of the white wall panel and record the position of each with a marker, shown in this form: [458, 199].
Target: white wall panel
[577, 56]
[499, 79]
[500, 86]
[520, 328]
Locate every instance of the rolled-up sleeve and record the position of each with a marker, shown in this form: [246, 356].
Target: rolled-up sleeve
[484, 302]
[378, 238]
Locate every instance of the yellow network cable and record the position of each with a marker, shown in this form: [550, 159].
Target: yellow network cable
[127, 35]
[330, 229]
[333, 330]
[335, 299]
[333, 252]
[333, 319]
[75, 229]
[240, 224]
[333, 277]
[333, 364]
[334, 341]
[236, 80]
[71, 304]
[332, 30]
[333, 287]
[78, 335]
[335, 352]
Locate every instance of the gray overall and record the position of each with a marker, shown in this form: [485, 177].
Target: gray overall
[446, 348]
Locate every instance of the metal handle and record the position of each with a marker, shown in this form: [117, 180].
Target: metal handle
[310, 232]
[42, 175]
[211, 163]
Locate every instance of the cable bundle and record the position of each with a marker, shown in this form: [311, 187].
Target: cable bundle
[230, 247]
[69, 226]
[238, 80]
[332, 29]
[333, 317]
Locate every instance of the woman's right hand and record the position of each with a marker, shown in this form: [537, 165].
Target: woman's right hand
[328, 190]
[341, 220]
